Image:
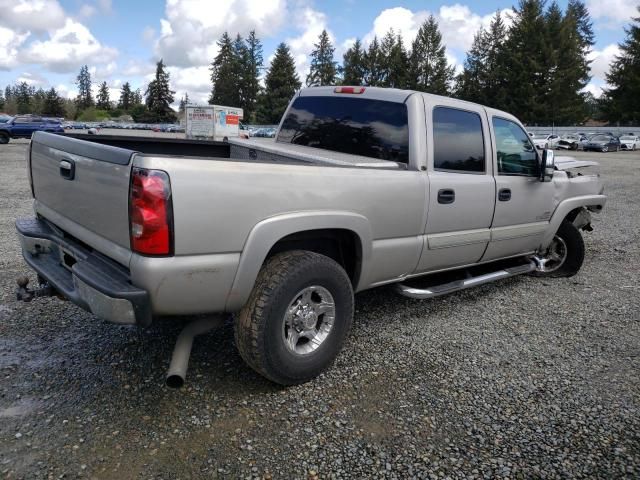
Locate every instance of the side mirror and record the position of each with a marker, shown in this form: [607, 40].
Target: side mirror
[547, 167]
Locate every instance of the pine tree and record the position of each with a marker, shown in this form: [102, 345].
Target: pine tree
[281, 83]
[23, 95]
[483, 77]
[398, 62]
[53, 104]
[373, 64]
[526, 54]
[84, 99]
[136, 98]
[1, 101]
[621, 102]
[159, 96]
[353, 65]
[225, 76]
[323, 69]
[429, 69]
[103, 102]
[251, 66]
[126, 97]
[184, 101]
[37, 100]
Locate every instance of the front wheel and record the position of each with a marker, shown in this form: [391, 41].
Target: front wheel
[297, 317]
[564, 256]
[4, 138]
[605, 149]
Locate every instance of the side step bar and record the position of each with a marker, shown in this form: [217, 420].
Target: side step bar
[450, 287]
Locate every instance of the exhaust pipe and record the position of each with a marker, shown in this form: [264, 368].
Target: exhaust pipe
[182, 351]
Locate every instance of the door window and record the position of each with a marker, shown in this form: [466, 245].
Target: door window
[515, 152]
[458, 142]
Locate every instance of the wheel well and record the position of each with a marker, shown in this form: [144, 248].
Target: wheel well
[571, 216]
[341, 245]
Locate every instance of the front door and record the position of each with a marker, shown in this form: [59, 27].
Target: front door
[524, 204]
[461, 185]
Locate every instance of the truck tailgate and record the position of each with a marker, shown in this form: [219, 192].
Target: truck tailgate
[83, 188]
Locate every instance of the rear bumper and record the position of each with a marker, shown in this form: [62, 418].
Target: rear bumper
[84, 277]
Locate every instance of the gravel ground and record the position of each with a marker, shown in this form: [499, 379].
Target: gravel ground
[524, 378]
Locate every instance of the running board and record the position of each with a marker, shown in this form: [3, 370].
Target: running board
[422, 293]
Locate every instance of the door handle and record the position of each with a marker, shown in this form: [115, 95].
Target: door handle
[446, 196]
[67, 169]
[504, 194]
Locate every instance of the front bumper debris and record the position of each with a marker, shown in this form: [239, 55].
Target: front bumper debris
[75, 272]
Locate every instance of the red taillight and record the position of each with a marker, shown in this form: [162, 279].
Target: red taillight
[150, 212]
[355, 90]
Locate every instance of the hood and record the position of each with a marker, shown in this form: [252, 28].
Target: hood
[568, 163]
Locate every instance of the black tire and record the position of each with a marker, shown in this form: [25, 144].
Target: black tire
[260, 327]
[574, 243]
[4, 138]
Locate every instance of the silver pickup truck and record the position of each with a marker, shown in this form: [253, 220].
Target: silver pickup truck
[361, 187]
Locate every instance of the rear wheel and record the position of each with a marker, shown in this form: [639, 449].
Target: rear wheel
[564, 256]
[297, 317]
[4, 138]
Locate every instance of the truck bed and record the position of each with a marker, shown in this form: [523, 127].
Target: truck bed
[245, 150]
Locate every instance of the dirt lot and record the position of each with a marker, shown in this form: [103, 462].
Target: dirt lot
[524, 378]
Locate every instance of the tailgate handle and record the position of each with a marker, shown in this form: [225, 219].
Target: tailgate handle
[67, 169]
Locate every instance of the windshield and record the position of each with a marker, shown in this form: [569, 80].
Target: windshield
[627, 137]
[600, 138]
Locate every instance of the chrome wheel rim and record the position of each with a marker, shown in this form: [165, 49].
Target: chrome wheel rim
[553, 258]
[308, 320]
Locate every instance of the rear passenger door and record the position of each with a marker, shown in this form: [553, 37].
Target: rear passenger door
[462, 188]
[524, 204]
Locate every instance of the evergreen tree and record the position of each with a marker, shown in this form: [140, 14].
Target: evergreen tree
[126, 97]
[429, 69]
[353, 65]
[482, 79]
[526, 54]
[1, 101]
[398, 64]
[323, 69]
[184, 101]
[137, 97]
[37, 100]
[103, 102]
[621, 102]
[225, 74]
[159, 96]
[8, 93]
[53, 104]
[23, 95]
[251, 65]
[281, 83]
[84, 99]
[373, 61]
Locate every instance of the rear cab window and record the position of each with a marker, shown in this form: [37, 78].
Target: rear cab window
[358, 126]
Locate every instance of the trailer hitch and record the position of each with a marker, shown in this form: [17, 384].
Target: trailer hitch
[26, 294]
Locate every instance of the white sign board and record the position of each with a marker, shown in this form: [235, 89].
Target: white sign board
[227, 121]
[212, 121]
[199, 122]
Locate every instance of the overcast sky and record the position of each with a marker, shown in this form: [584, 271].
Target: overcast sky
[44, 42]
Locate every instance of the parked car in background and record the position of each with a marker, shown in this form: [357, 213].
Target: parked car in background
[570, 141]
[23, 126]
[629, 142]
[603, 143]
[543, 141]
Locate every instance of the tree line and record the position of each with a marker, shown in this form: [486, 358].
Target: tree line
[536, 68]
